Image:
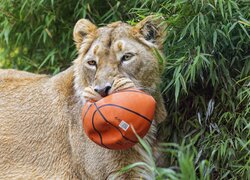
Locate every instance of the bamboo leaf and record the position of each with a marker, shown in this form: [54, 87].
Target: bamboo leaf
[214, 38]
[221, 2]
[177, 89]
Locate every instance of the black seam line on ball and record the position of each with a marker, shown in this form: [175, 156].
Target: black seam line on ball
[97, 130]
[115, 105]
[113, 125]
[86, 112]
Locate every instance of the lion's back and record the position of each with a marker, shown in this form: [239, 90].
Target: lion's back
[11, 75]
[14, 73]
[19, 89]
[11, 79]
[29, 126]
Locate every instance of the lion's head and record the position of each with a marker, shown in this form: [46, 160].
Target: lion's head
[116, 56]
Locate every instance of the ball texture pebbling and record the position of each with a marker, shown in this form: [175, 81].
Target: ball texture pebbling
[112, 121]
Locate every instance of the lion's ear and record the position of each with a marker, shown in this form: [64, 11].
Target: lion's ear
[152, 30]
[82, 30]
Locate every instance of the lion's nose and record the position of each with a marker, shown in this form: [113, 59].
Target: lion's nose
[103, 91]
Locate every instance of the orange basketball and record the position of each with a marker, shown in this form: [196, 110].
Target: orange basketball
[108, 122]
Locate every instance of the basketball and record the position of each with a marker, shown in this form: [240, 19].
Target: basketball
[110, 121]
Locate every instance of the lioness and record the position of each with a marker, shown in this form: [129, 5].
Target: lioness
[41, 133]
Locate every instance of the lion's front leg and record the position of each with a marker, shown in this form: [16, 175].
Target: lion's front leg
[101, 163]
[92, 161]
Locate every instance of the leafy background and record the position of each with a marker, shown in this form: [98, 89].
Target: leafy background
[205, 80]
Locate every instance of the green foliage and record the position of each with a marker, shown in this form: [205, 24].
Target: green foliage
[206, 78]
[189, 168]
[37, 35]
[208, 73]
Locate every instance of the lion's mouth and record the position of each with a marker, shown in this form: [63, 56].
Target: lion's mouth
[92, 94]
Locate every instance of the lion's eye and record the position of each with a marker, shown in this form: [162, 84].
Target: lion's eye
[127, 57]
[92, 63]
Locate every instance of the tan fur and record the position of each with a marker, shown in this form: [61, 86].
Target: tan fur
[41, 135]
